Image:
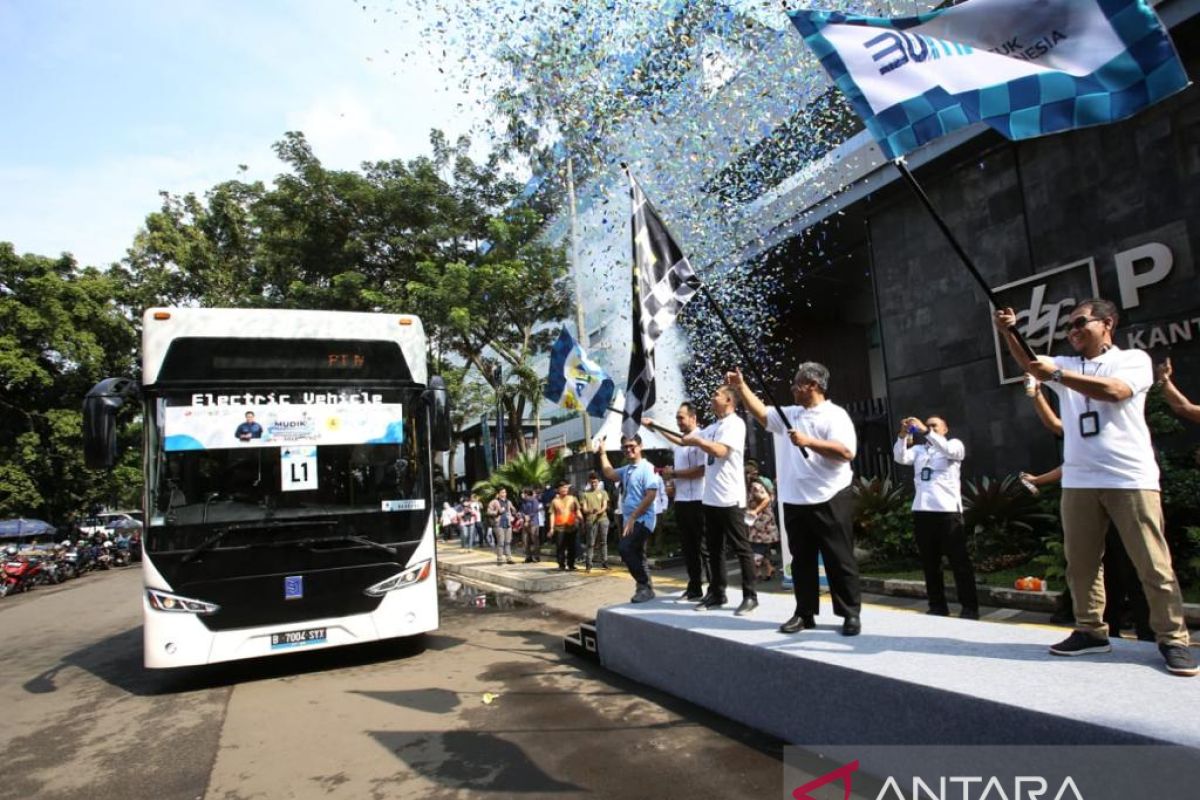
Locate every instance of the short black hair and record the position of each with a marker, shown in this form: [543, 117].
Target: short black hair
[561, 484]
[1100, 308]
[687, 406]
[637, 437]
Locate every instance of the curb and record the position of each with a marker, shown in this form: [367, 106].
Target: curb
[998, 596]
[529, 584]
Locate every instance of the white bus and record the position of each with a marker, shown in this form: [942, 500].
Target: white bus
[288, 479]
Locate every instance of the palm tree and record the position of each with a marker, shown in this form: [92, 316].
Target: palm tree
[528, 469]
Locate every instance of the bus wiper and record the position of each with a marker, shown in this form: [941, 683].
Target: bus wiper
[272, 525]
[354, 540]
[207, 544]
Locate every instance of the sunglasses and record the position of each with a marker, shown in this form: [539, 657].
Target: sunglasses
[630, 446]
[1079, 323]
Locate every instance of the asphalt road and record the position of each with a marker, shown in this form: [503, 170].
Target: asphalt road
[489, 706]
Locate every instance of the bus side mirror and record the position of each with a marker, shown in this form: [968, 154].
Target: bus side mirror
[100, 408]
[439, 414]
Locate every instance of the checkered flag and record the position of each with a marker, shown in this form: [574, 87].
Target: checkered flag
[663, 282]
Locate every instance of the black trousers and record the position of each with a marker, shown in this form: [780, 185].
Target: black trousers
[564, 538]
[828, 529]
[940, 533]
[689, 518]
[1124, 597]
[726, 527]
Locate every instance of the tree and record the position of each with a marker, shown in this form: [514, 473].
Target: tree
[470, 399]
[526, 470]
[61, 330]
[494, 310]
[436, 236]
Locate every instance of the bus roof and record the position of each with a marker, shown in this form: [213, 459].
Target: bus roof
[161, 326]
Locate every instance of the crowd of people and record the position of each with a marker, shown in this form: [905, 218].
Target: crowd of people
[724, 507]
[575, 523]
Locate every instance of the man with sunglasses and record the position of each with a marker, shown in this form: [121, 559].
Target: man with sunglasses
[1109, 473]
[814, 447]
[638, 492]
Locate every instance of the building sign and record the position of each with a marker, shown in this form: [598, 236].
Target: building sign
[1043, 302]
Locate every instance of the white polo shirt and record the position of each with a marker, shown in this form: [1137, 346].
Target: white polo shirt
[816, 479]
[1121, 455]
[942, 489]
[724, 480]
[689, 489]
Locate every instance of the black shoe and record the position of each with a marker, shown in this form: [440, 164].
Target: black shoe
[851, 626]
[937, 612]
[1146, 636]
[572, 568]
[692, 596]
[969, 613]
[1080, 644]
[1180, 660]
[562, 568]
[710, 602]
[747, 607]
[798, 623]
[528, 560]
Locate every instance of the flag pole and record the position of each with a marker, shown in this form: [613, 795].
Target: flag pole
[911, 180]
[749, 362]
[654, 426]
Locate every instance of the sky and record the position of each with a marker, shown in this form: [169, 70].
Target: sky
[105, 104]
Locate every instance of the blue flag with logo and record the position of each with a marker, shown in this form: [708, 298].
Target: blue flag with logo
[1024, 68]
[575, 380]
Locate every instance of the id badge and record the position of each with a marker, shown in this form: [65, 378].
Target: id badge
[926, 473]
[1089, 423]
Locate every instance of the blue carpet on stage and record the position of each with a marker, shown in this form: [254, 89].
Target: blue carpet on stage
[908, 679]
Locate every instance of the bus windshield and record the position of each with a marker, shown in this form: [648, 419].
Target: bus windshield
[349, 461]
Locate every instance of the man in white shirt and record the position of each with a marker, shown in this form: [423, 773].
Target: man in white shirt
[688, 474]
[724, 499]
[937, 511]
[1109, 474]
[814, 447]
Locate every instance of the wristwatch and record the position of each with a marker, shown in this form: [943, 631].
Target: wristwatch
[1056, 376]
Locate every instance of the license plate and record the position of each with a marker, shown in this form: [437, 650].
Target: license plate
[297, 638]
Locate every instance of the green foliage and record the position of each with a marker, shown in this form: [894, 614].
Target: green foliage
[438, 237]
[529, 469]
[1159, 417]
[883, 520]
[1003, 521]
[62, 328]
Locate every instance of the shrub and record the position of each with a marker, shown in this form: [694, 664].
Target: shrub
[883, 521]
[1004, 522]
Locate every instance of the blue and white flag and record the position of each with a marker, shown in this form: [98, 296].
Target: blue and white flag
[575, 380]
[1024, 67]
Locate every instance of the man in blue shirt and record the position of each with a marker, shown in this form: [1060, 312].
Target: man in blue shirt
[638, 483]
[249, 429]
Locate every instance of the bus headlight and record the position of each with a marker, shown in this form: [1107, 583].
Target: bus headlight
[411, 576]
[165, 601]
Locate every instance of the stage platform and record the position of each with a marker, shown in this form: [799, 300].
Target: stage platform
[908, 678]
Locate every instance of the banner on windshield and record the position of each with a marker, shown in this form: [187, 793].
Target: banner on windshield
[223, 427]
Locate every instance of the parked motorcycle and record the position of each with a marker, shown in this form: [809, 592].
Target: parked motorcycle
[20, 574]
